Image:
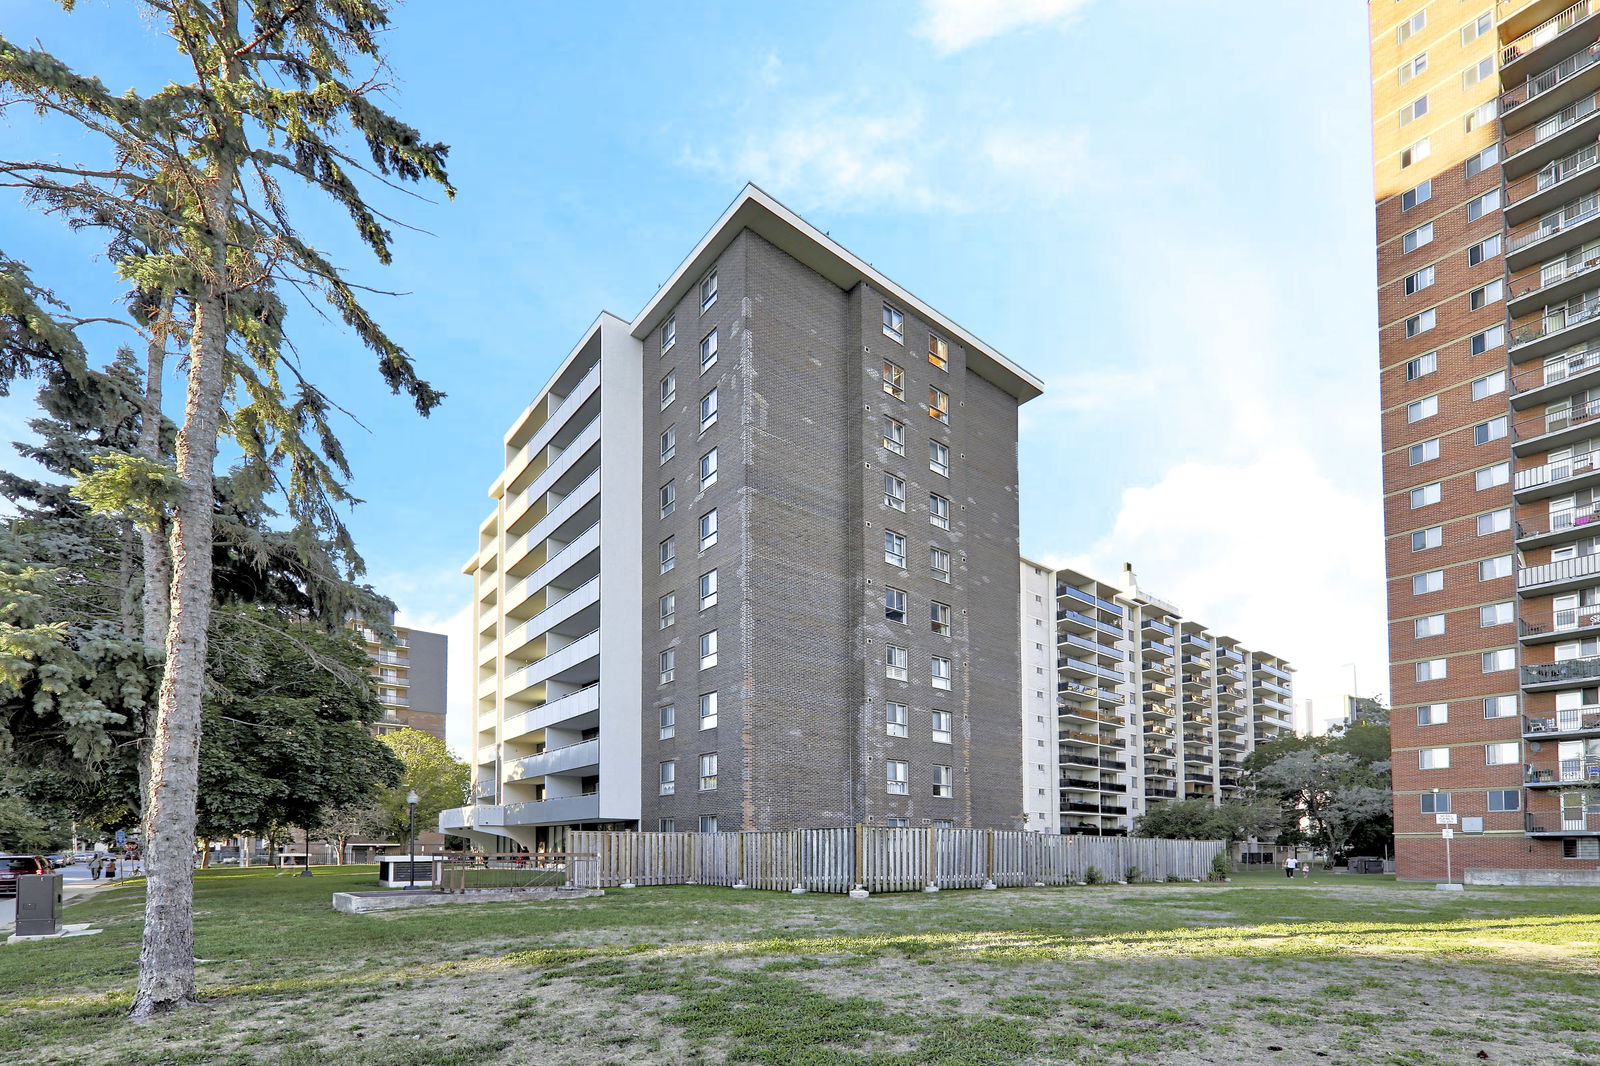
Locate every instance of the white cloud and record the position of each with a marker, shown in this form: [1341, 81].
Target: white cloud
[955, 25]
[1045, 163]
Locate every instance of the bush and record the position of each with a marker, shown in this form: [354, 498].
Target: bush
[1133, 874]
[1093, 876]
[1221, 868]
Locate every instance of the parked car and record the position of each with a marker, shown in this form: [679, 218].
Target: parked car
[61, 858]
[15, 866]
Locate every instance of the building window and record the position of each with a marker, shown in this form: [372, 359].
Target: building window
[708, 410]
[669, 608]
[939, 564]
[938, 458]
[1499, 566]
[1481, 115]
[708, 822]
[669, 443]
[1426, 495]
[1412, 25]
[1431, 625]
[1489, 385]
[897, 823]
[1420, 323]
[1433, 759]
[1505, 799]
[669, 722]
[941, 727]
[669, 333]
[894, 324]
[1502, 754]
[1415, 239]
[669, 554]
[1500, 707]
[896, 663]
[708, 291]
[1435, 802]
[1416, 153]
[1424, 451]
[1422, 193]
[708, 650]
[708, 529]
[938, 352]
[1482, 205]
[1498, 660]
[708, 469]
[898, 720]
[1433, 714]
[938, 405]
[1426, 407]
[669, 665]
[1484, 295]
[1422, 365]
[708, 710]
[1491, 476]
[1418, 281]
[1484, 250]
[1495, 614]
[1411, 69]
[894, 380]
[708, 589]
[1422, 539]
[938, 510]
[894, 435]
[894, 548]
[708, 783]
[1491, 338]
[1482, 161]
[1432, 670]
[1414, 110]
[944, 781]
[895, 773]
[669, 388]
[1477, 28]
[1477, 72]
[894, 492]
[939, 617]
[941, 672]
[708, 351]
[894, 604]
[669, 777]
[669, 498]
[1494, 522]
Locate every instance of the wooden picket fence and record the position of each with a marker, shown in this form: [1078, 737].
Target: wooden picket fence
[880, 859]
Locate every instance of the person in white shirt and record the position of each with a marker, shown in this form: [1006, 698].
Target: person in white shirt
[1289, 865]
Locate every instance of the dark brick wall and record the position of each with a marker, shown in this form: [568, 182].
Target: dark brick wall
[801, 738]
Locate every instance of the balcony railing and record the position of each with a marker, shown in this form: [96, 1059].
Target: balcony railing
[1553, 174]
[1569, 820]
[1559, 621]
[1557, 317]
[1560, 220]
[1560, 570]
[1159, 627]
[1160, 793]
[1558, 123]
[1554, 371]
[1576, 413]
[1570, 720]
[1079, 616]
[1546, 32]
[1584, 768]
[1542, 82]
[1556, 472]
[1566, 670]
[1064, 589]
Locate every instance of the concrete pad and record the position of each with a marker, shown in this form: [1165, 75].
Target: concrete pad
[366, 902]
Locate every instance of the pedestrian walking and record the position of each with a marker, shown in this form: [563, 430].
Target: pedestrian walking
[1289, 866]
[95, 866]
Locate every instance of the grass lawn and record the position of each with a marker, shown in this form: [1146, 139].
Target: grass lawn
[1337, 969]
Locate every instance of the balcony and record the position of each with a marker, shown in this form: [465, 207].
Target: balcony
[1102, 694]
[1152, 792]
[1077, 710]
[1567, 423]
[1537, 384]
[1557, 324]
[585, 701]
[1548, 42]
[1160, 751]
[1063, 589]
[1543, 629]
[1197, 640]
[476, 816]
[573, 658]
[1567, 822]
[1159, 627]
[1158, 648]
[1552, 577]
[554, 811]
[1574, 721]
[485, 754]
[566, 759]
[1160, 710]
[1545, 93]
[1544, 675]
[1079, 784]
[1555, 478]
[1091, 645]
[1544, 190]
[558, 412]
[1582, 770]
[1067, 614]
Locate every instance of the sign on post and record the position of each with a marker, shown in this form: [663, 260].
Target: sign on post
[122, 837]
[1444, 819]
[1447, 832]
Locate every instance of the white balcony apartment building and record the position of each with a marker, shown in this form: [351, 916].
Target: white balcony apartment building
[548, 627]
[1146, 704]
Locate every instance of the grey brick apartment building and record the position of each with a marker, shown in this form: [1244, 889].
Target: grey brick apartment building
[793, 551]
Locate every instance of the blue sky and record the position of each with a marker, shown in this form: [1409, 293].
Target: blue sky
[1161, 207]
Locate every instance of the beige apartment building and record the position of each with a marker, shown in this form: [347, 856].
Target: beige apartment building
[1146, 703]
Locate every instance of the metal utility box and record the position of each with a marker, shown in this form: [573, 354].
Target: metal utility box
[404, 871]
[39, 904]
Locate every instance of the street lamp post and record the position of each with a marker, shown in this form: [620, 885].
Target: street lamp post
[411, 838]
[307, 871]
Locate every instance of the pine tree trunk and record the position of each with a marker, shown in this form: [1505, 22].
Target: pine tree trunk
[166, 957]
[157, 575]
